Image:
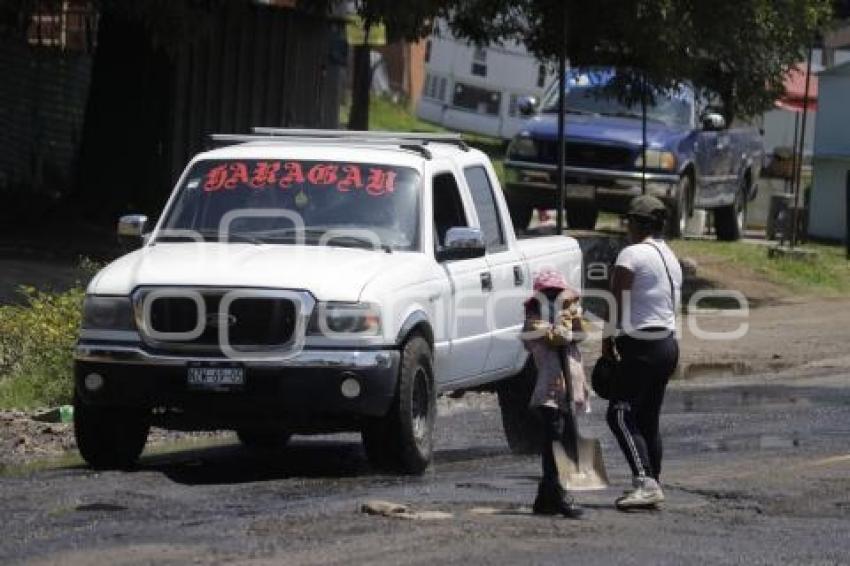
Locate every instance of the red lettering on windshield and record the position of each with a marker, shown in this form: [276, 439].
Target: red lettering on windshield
[216, 178]
[262, 174]
[293, 175]
[380, 182]
[352, 179]
[238, 175]
[322, 174]
[265, 173]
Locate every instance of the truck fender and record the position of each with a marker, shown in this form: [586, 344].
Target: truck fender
[417, 319]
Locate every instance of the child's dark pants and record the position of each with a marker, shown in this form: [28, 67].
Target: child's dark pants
[557, 426]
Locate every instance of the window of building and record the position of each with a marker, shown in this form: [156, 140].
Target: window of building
[513, 105]
[65, 24]
[479, 62]
[435, 87]
[485, 206]
[477, 99]
[541, 76]
[428, 51]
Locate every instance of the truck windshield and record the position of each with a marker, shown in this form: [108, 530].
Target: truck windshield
[279, 201]
[670, 109]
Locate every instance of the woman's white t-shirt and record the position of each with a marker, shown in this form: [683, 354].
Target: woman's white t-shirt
[650, 303]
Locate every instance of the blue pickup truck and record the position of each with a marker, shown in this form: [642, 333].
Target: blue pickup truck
[693, 159]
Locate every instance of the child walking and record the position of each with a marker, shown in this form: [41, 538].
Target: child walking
[552, 330]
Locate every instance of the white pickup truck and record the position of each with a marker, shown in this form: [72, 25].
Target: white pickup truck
[304, 281]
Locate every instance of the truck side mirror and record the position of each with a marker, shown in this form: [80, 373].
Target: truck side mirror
[713, 122]
[462, 243]
[131, 229]
[527, 105]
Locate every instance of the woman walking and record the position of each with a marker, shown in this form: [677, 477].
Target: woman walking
[646, 286]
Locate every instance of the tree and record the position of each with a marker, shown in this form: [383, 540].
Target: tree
[408, 21]
[740, 49]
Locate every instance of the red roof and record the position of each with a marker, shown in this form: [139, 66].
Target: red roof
[795, 90]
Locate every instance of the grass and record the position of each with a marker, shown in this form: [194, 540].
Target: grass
[385, 114]
[828, 274]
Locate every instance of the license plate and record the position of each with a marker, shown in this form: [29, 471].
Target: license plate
[581, 191]
[218, 377]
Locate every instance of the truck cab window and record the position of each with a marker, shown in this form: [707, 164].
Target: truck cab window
[448, 207]
[485, 207]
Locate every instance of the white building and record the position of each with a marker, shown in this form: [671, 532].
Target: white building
[828, 208]
[473, 89]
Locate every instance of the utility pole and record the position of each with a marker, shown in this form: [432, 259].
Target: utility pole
[643, 132]
[799, 172]
[562, 116]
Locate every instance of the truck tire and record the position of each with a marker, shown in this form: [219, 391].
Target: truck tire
[110, 438]
[582, 217]
[679, 209]
[522, 425]
[521, 216]
[259, 439]
[402, 441]
[729, 220]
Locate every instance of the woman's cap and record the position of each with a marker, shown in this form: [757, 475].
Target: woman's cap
[647, 207]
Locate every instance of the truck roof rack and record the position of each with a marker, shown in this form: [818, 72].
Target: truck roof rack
[413, 141]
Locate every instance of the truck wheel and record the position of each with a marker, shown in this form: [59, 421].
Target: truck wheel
[521, 424]
[582, 217]
[729, 220]
[402, 441]
[110, 438]
[263, 439]
[679, 209]
[521, 216]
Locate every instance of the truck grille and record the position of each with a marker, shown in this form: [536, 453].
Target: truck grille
[253, 322]
[588, 155]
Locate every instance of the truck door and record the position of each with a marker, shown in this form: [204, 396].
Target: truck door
[510, 288]
[466, 326]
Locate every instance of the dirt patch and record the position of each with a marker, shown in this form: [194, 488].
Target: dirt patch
[24, 440]
[776, 337]
[717, 274]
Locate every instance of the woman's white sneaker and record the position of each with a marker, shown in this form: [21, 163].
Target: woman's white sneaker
[645, 494]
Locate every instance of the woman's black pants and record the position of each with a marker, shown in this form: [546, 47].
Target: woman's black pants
[646, 366]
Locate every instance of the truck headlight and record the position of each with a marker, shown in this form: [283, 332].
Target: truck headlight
[522, 147]
[656, 159]
[107, 313]
[330, 318]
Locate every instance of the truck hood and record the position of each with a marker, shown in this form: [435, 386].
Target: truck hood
[607, 129]
[329, 273]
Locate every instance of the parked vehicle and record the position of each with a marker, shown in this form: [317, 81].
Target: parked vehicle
[305, 282]
[694, 160]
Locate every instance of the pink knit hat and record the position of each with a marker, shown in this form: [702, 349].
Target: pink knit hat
[549, 278]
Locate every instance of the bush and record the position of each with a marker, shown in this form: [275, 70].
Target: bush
[36, 348]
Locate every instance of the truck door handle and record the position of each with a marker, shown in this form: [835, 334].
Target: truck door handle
[486, 281]
[519, 279]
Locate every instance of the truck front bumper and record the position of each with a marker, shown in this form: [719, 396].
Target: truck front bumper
[535, 185]
[304, 392]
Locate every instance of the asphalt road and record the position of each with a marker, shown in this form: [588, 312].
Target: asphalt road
[756, 472]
